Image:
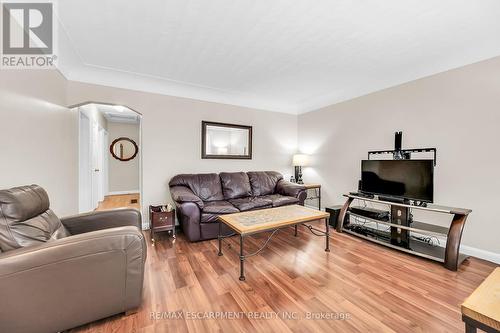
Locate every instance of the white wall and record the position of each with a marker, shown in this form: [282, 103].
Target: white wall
[123, 175]
[458, 112]
[171, 135]
[39, 136]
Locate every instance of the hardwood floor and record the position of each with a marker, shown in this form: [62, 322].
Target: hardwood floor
[119, 201]
[375, 288]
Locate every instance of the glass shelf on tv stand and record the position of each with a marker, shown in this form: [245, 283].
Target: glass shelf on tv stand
[429, 207]
[416, 226]
[415, 247]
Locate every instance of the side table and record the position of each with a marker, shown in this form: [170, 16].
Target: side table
[317, 193]
[161, 221]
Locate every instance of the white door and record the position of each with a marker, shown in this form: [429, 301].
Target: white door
[105, 162]
[96, 147]
[93, 174]
[101, 157]
[85, 164]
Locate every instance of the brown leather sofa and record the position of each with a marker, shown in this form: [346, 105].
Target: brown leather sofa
[201, 198]
[56, 274]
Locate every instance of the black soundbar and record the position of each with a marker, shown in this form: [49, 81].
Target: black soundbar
[362, 195]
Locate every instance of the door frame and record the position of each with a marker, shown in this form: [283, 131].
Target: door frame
[84, 204]
[144, 222]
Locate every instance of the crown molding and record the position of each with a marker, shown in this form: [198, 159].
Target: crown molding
[139, 82]
[72, 66]
[151, 84]
[321, 101]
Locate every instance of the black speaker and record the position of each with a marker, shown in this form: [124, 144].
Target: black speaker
[398, 140]
[334, 214]
[360, 185]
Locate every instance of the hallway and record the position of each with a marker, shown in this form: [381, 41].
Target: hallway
[120, 201]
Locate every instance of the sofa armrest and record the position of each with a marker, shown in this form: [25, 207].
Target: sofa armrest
[181, 194]
[189, 216]
[290, 189]
[93, 221]
[72, 281]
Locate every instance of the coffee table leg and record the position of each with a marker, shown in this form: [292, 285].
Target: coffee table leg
[327, 235]
[220, 238]
[296, 230]
[242, 260]
[469, 328]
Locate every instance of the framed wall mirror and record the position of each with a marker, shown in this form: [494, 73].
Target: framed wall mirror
[225, 141]
[124, 149]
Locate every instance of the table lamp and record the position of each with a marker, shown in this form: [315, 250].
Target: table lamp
[298, 161]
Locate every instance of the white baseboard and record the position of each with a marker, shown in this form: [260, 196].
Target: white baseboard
[482, 254]
[123, 192]
[471, 251]
[475, 252]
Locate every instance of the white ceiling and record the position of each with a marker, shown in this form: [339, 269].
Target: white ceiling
[286, 56]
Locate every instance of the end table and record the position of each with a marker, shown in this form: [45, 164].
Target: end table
[161, 221]
[317, 193]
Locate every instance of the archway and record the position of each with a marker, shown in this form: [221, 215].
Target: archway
[109, 156]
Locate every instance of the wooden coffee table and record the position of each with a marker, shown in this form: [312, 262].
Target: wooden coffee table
[270, 220]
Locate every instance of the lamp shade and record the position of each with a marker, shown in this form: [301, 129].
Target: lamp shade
[300, 160]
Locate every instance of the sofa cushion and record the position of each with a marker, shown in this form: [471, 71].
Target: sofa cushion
[219, 207]
[235, 185]
[249, 203]
[209, 217]
[264, 182]
[281, 200]
[289, 189]
[206, 186]
[183, 194]
[25, 218]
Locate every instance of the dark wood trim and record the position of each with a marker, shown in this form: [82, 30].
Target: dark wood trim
[125, 139]
[452, 251]
[204, 154]
[343, 212]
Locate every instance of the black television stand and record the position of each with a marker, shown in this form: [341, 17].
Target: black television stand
[401, 227]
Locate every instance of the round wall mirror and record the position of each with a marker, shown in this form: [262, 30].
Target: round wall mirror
[124, 149]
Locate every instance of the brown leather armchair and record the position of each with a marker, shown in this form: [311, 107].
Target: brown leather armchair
[58, 274]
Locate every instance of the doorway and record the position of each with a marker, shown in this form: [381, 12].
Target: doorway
[110, 157]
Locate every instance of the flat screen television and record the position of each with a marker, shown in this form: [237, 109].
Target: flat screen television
[407, 179]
